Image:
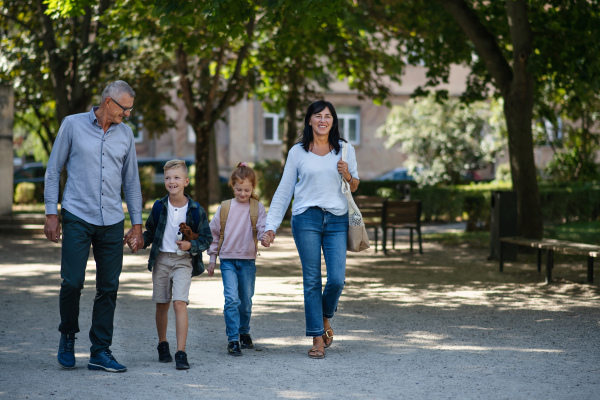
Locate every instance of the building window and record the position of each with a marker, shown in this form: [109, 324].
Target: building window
[191, 135]
[349, 123]
[274, 128]
[135, 122]
[553, 132]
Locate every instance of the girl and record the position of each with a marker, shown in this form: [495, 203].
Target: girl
[236, 228]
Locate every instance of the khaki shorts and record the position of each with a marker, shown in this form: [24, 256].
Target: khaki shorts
[171, 277]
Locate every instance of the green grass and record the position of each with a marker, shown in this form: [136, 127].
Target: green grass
[480, 239]
[580, 231]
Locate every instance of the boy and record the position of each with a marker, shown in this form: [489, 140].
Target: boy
[172, 273]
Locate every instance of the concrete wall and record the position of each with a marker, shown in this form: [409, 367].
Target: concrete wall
[6, 149]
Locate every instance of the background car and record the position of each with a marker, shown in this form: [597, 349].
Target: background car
[396, 174]
[31, 172]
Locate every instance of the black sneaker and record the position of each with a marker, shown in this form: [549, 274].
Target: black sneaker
[66, 351]
[246, 341]
[164, 355]
[234, 349]
[181, 361]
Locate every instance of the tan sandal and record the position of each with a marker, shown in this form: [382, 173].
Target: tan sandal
[314, 352]
[327, 335]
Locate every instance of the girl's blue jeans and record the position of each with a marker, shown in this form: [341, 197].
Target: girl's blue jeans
[313, 230]
[239, 277]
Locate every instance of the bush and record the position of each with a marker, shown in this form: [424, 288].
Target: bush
[147, 174]
[269, 174]
[25, 193]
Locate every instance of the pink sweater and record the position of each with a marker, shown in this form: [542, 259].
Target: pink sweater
[238, 242]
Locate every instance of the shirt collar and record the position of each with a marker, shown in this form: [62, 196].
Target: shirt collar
[92, 115]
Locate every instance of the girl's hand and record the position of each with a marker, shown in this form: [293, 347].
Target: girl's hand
[183, 245]
[267, 238]
[211, 269]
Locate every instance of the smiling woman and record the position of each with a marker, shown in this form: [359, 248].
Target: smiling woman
[313, 175]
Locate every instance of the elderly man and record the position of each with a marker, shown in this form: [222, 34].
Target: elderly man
[98, 151]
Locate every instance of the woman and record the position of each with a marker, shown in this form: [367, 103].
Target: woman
[312, 174]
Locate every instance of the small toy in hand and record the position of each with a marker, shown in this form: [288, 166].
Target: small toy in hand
[185, 233]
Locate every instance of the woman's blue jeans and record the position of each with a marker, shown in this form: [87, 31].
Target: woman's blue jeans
[313, 230]
[239, 277]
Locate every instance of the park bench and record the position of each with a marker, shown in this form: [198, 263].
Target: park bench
[401, 214]
[551, 246]
[371, 208]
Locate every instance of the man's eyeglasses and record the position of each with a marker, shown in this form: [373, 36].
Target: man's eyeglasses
[124, 109]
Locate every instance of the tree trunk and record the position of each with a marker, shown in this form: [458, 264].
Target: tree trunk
[202, 157]
[522, 166]
[291, 109]
[516, 86]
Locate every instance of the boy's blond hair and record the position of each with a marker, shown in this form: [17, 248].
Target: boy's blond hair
[172, 164]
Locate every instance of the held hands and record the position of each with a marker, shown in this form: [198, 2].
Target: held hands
[211, 269]
[134, 238]
[267, 238]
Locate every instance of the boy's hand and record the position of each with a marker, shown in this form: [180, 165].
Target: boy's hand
[211, 269]
[132, 243]
[183, 245]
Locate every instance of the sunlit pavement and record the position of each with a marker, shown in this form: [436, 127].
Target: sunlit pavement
[444, 324]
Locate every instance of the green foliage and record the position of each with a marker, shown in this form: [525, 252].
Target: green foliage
[572, 165]
[147, 174]
[571, 202]
[445, 139]
[25, 193]
[269, 174]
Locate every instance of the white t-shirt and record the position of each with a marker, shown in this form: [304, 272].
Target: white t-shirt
[175, 216]
[314, 181]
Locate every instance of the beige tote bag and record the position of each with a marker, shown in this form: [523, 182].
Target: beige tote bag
[358, 240]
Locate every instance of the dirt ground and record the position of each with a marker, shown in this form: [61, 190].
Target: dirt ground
[442, 325]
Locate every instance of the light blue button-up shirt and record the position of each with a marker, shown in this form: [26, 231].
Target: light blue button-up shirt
[98, 165]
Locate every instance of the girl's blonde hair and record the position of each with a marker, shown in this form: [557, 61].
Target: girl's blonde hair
[240, 174]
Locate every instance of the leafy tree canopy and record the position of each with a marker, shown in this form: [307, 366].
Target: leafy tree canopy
[445, 140]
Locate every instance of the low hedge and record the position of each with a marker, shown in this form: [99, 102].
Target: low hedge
[472, 203]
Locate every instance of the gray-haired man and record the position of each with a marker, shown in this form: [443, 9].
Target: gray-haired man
[98, 152]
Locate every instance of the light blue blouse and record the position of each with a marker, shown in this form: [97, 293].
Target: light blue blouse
[314, 181]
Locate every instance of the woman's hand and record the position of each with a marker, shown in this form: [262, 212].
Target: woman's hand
[211, 269]
[343, 169]
[267, 238]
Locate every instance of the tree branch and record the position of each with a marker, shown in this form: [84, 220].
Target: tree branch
[234, 82]
[186, 85]
[18, 21]
[484, 41]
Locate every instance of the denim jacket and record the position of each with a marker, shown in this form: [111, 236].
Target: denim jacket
[155, 231]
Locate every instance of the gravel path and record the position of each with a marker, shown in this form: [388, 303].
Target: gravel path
[442, 325]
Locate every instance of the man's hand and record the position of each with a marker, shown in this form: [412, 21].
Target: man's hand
[211, 269]
[52, 227]
[134, 233]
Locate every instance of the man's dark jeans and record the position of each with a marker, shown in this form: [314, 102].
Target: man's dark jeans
[107, 245]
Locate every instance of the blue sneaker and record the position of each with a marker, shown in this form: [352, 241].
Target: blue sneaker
[66, 351]
[105, 360]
